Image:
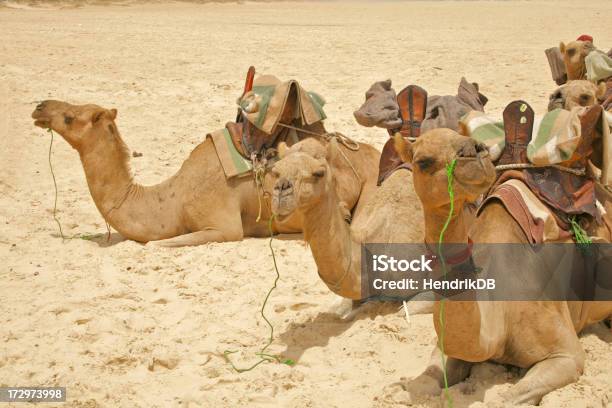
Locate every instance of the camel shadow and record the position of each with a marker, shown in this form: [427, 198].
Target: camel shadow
[318, 330]
[601, 330]
[102, 239]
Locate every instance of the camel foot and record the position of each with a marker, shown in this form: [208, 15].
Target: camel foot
[195, 238]
[341, 307]
[411, 392]
[423, 303]
[544, 377]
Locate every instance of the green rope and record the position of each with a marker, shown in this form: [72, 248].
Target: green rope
[263, 357]
[87, 237]
[450, 169]
[580, 235]
[59, 225]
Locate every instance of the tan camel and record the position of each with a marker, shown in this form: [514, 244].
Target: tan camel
[574, 54]
[539, 336]
[306, 186]
[577, 93]
[196, 205]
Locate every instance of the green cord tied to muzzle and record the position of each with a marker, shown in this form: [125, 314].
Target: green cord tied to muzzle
[450, 172]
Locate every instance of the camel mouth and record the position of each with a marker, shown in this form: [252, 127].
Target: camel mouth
[42, 123]
[483, 172]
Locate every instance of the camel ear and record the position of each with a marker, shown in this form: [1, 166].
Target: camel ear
[403, 147]
[282, 150]
[601, 90]
[562, 47]
[99, 114]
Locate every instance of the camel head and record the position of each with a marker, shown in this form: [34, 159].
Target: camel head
[80, 125]
[432, 152]
[574, 54]
[575, 94]
[303, 177]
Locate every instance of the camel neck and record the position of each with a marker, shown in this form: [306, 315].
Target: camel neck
[108, 174]
[336, 254]
[457, 230]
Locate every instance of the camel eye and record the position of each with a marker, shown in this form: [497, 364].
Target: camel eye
[318, 173]
[425, 163]
[571, 52]
[68, 119]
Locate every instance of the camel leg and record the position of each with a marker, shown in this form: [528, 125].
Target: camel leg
[198, 238]
[431, 381]
[544, 377]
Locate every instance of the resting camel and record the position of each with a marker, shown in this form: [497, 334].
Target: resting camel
[196, 205]
[576, 93]
[306, 186]
[574, 53]
[537, 335]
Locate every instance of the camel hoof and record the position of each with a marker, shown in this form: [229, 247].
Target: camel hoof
[342, 308]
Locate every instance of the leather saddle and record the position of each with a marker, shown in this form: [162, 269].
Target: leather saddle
[566, 194]
[412, 102]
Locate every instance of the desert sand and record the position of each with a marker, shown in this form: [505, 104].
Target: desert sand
[121, 324]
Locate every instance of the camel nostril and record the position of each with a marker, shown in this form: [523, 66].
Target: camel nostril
[283, 184]
[40, 106]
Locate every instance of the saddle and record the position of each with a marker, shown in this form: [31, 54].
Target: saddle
[566, 195]
[412, 102]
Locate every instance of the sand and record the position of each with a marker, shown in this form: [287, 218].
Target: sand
[123, 324]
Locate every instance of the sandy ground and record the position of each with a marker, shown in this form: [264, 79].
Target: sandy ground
[126, 325]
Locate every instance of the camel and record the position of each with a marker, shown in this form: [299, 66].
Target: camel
[194, 206]
[536, 335]
[306, 185]
[576, 93]
[574, 54]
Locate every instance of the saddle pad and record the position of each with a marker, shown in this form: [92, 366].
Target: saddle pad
[535, 219]
[265, 103]
[233, 163]
[556, 135]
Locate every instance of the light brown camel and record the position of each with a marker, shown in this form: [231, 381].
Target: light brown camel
[576, 93]
[539, 336]
[196, 205]
[574, 54]
[306, 186]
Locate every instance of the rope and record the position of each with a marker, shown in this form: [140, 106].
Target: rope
[577, 172]
[335, 287]
[259, 171]
[59, 225]
[580, 235]
[349, 143]
[346, 141]
[264, 357]
[450, 169]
